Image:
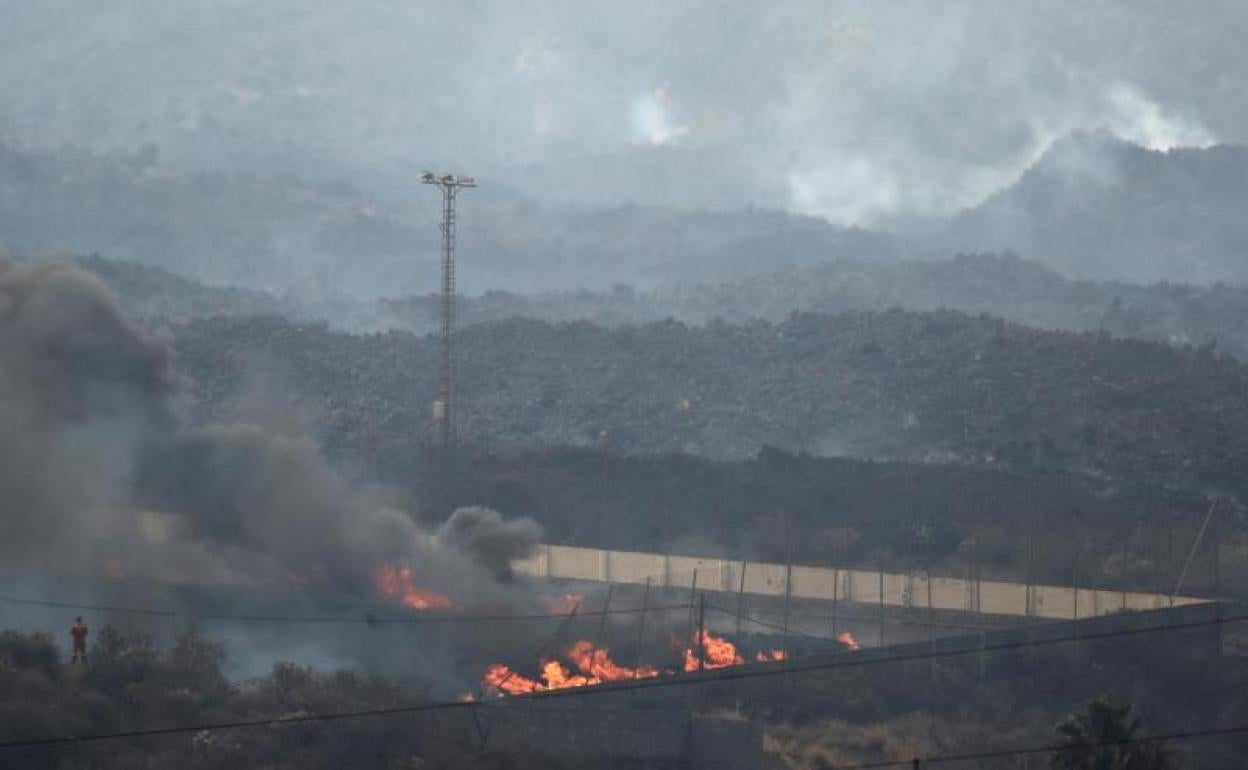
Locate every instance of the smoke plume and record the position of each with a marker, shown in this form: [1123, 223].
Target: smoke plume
[90, 435]
[80, 389]
[493, 542]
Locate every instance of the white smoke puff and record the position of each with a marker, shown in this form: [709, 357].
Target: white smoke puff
[852, 192]
[652, 119]
[1140, 120]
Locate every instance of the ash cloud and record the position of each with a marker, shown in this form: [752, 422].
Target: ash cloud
[90, 435]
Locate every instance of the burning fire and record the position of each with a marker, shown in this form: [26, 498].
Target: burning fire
[596, 662]
[847, 639]
[397, 582]
[720, 653]
[594, 665]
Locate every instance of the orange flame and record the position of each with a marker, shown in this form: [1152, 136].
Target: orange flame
[720, 653]
[501, 678]
[594, 665]
[596, 662]
[847, 639]
[397, 582]
[558, 677]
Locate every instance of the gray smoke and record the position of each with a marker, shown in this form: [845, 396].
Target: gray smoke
[90, 435]
[491, 540]
[80, 389]
[256, 497]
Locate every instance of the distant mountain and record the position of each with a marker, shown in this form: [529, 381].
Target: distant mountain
[319, 240]
[1097, 207]
[1018, 290]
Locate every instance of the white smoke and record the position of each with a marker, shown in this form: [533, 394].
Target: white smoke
[652, 119]
[1140, 120]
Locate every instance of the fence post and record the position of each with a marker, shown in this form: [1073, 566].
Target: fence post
[641, 624]
[788, 598]
[881, 605]
[1217, 558]
[836, 596]
[931, 664]
[606, 610]
[701, 633]
[741, 597]
[693, 595]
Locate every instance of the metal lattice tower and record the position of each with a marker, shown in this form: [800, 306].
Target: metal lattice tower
[444, 406]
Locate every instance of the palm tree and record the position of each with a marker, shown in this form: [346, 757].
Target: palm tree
[1103, 735]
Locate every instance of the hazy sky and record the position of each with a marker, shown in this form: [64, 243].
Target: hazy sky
[856, 111]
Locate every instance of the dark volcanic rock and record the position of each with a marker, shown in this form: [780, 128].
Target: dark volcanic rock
[921, 386]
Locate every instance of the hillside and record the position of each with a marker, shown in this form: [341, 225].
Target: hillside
[1097, 207]
[1017, 290]
[928, 386]
[327, 241]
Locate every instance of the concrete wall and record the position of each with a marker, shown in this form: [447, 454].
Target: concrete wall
[833, 584]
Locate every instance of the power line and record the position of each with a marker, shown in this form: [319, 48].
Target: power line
[240, 724]
[765, 624]
[796, 666]
[367, 618]
[1049, 749]
[744, 671]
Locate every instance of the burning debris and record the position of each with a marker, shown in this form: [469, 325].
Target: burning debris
[592, 665]
[717, 652]
[596, 663]
[847, 639]
[589, 665]
[398, 583]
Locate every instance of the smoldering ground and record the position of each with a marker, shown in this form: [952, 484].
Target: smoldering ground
[92, 437]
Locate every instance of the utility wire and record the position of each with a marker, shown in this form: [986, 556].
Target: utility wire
[744, 671]
[215, 726]
[367, 618]
[546, 643]
[765, 624]
[804, 665]
[1051, 748]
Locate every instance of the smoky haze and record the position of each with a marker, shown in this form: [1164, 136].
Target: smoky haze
[860, 112]
[275, 146]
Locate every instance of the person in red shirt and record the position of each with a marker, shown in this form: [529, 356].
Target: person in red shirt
[78, 632]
